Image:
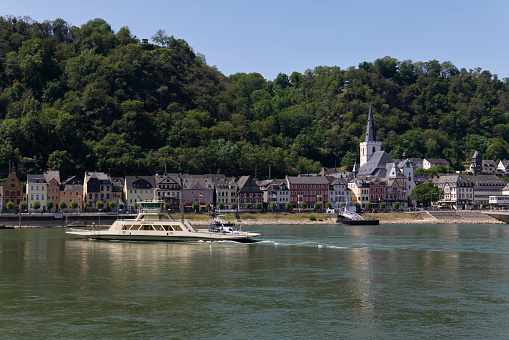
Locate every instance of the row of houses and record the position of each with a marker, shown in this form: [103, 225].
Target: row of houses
[173, 188]
[381, 180]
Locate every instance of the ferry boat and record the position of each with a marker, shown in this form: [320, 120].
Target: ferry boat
[153, 223]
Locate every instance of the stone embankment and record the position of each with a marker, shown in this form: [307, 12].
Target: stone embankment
[423, 217]
[444, 217]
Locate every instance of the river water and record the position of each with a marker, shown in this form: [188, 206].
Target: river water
[302, 282]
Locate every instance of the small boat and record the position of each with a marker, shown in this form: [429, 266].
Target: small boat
[153, 223]
[3, 226]
[221, 221]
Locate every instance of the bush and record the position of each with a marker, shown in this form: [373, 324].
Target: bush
[312, 217]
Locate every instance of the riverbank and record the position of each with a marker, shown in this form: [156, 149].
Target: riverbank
[268, 219]
[384, 218]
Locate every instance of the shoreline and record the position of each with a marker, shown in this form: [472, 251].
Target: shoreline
[254, 220]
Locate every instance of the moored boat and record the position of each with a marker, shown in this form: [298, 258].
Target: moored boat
[153, 223]
[3, 226]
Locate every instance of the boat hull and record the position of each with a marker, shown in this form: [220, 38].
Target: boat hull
[360, 222]
[187, 237]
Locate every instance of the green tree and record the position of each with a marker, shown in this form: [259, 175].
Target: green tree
[87, 205]
[383, 205]
[74, 204]
[9, 205]
[161, 38]
[36, 205]
[136, 205]
[220, 205]
[196, 206]
[396, 205]
[99, 205]
[258, 205]
[207, 206]
[167, 206]
[288, 206]
[317, 206]
[273, 206]
[112, 205]
[426, 193]
[234, 206]
[49, 205]
[328, 205]
[62, 205]
[248, 205]
[121, 206]
[23, 206]
[303, 205]
[369, 206]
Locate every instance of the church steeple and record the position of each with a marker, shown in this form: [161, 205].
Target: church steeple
[370, 128]
[370, 145]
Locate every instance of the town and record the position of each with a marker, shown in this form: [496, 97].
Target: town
[378, 182]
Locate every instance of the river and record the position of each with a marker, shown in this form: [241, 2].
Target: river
[302, 282]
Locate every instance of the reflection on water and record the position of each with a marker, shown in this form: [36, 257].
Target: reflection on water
[426, 281]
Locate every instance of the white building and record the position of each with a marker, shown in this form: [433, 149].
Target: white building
[339, 192]
[37, 189]
[503, 167]
[431, 162]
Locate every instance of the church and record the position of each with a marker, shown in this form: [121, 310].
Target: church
[379, 178]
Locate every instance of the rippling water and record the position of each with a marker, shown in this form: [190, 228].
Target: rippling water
[389, 281]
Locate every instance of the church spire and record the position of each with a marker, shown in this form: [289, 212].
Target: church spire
[370, 128]
[370, 145]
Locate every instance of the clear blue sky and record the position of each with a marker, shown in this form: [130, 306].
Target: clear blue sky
[270, 37]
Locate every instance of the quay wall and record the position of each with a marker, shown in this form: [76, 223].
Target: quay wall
[49, 220]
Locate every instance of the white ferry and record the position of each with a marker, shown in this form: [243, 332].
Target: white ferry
[153, 223]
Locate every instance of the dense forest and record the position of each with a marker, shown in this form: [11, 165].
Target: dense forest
[88, 98]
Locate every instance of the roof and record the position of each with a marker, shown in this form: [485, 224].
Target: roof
[98, 175]
[335, 181]
[307, 180]
[195, 182]
[49, 175]
[489, 162]
[73, 187]
[173, 176]
[35, 178]
[476, 156]
[131, 180]
[224, 182]
[247, 184]
[73, 180]
[404, 163]
[375, 163]
[370, 128]
[436, 161]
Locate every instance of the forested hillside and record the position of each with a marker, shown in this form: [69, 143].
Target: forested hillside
[88, 98]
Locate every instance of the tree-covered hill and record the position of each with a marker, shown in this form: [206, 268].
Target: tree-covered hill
[88, 98]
